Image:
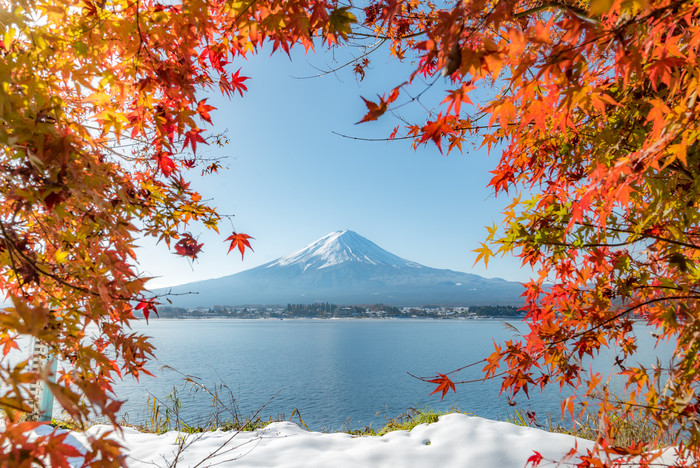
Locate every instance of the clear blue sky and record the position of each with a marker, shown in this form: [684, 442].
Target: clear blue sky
[290, 180]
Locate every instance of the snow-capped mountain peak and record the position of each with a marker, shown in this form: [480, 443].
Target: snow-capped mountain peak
[345, 268]
[341, 247]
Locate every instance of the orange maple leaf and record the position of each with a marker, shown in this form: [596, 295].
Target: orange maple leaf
[203, 110]
[444, 384]
[240, 241]
[376, 110]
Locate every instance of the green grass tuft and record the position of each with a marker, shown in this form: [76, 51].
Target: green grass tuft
[404, 422]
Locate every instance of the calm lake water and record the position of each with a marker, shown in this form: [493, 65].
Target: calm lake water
[337, 373]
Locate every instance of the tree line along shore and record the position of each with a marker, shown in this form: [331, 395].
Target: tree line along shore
[325, 310]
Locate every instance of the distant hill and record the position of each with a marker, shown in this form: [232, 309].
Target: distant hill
[346, 268]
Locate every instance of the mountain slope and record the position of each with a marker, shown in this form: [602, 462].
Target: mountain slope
[346, 268]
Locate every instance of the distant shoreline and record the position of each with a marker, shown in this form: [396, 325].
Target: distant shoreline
[329, 311]
[340, 319]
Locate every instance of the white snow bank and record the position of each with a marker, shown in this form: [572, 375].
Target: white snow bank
[456, 440]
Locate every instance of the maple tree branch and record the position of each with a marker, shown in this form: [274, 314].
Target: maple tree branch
[238, 17]
[467, 366]
[41, 225]
[38, 269]
[651, 407]
[674, 242]
[333, 70]
[12, 259]
[171, 293]
[371, 139]
[617, 316]
[587, 246]
[388, 38]
[483, 379]
[651, 236]
[408, 137]
[559, 6]
[632, 21]
[138, 29]
[415, 98]
[57, 278]
[648, 286]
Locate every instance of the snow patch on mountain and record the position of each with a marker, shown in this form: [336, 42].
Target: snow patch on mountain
[341, 247]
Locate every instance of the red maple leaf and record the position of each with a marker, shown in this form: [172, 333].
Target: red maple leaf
[217, 58]
[691, 409]
[147, 307]
[165, 164]
[230, 86]
[444, 384]
[240, 241]
[534, 459]
[192, 138]
[188, 246]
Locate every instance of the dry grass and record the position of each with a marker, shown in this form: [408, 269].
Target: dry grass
[625, 432]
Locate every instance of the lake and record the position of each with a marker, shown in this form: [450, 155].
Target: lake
[336, 373]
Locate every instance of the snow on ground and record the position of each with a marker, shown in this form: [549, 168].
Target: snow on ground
[456, 440]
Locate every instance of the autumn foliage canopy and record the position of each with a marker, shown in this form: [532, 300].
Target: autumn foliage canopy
[591, 106]
[102, 121]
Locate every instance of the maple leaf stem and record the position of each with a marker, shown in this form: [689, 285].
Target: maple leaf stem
[483, 379]
[451, 372]
[467, 366]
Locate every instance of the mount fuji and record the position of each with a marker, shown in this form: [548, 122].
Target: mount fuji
[346, 268]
